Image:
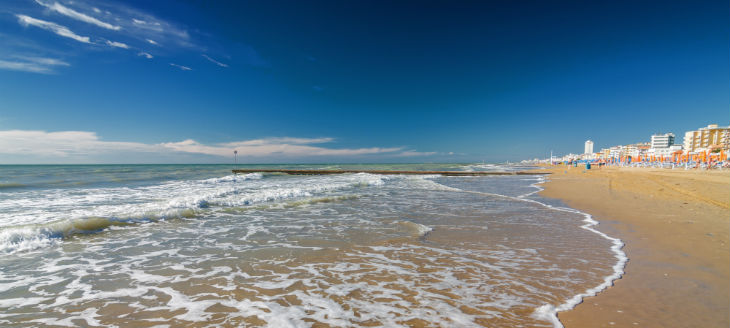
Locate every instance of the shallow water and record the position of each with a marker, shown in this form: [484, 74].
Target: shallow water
[196, 246]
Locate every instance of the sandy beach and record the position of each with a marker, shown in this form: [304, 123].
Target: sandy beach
[674, 224]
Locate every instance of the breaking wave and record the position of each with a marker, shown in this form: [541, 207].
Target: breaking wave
[91, 211]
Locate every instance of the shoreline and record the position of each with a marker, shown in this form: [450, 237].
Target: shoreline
[674, 225]
[550, 312]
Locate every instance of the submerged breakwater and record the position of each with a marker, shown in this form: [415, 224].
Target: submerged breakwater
[179, 244]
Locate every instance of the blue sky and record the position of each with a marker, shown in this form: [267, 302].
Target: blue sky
[352, 81]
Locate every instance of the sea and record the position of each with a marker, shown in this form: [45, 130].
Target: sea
[198, 246]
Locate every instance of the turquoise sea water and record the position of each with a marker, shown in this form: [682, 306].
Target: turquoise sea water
[171, 245]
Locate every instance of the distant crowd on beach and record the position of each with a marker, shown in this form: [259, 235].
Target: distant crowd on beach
[701, 161]
[704, 148]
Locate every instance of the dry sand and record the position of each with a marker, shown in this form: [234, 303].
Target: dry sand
[675, 225]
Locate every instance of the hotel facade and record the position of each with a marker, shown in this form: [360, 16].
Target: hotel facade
[710, 137]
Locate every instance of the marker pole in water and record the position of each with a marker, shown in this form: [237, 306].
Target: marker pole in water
[235, 157]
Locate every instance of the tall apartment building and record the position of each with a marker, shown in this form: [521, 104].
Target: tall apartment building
[588, 147]
[708, 137]
[662, 140]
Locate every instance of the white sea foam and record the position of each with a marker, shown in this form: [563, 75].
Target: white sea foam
[25, 239]
[40, 219]
[249, 261]
[416, 229]
[549, 312]
[483, 167]
[426, 182]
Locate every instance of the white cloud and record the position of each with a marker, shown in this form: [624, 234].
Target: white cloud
[274, 147]
[280, 140]
[214, 61]
[32, 64]
[45, 61]
[146, 23]
[153, 30]
[117, 44]
[128, 21]
[53, 27]
[84, 146]
[24, 67]
[63, 10]
[63, 144]
[184, 68]
[410, 153]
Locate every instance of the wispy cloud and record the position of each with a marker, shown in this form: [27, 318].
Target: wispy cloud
[281, 147]
[153, 30]
[109, 23]
[117, 44]
[63, 143]
[184, 68]
[150, 24]
[44, 61]
[280, 140]
[129, 22]
[32, 64]
[413, 153]
[53, 27]
[214, 61]
[63, 10]
[84, 145]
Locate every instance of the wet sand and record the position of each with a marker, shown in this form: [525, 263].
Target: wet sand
[674, 224]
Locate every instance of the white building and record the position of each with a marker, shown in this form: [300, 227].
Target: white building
[588, 147]
[616, 152]
[709, 137]
[666, 152]
[662, 140]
